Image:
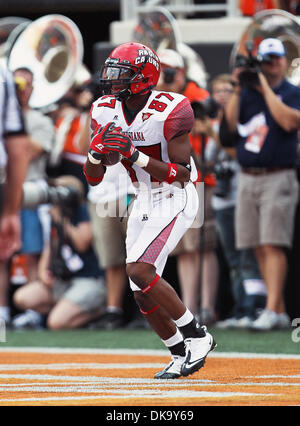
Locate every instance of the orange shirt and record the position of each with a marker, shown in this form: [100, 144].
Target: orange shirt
[195, 93]
[72, 134]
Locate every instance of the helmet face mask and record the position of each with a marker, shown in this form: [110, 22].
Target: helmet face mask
[131, 69]
[116, 79]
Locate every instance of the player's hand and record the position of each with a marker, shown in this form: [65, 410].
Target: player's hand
[115, 140]
[97, 148]
[112, 139]
[10, 235]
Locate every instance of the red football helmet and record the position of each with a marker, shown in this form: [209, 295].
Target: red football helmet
[131, 69]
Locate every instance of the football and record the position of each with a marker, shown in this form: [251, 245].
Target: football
[111, 158]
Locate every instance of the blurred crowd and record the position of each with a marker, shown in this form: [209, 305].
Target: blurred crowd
[62, 243]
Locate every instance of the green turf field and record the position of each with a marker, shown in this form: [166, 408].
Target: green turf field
[228, 341]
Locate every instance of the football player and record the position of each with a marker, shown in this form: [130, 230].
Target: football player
[149, 129]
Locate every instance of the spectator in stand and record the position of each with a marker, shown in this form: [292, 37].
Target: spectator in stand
[13, 168]
[70, 289]
[248, 289]
[196, 255]
[265, 111]
[70, 119]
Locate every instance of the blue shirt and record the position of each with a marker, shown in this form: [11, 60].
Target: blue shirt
[279, 148]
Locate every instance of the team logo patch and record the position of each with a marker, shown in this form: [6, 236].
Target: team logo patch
[146, 115]
[99, 146]
[172, 172]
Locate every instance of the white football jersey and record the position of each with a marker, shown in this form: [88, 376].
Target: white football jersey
[165, 116]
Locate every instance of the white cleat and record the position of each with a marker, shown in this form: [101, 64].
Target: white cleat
[197, 350]
[172, 370]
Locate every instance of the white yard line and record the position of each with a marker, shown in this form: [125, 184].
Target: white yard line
[117, 388]
[78, 366]
[150, 352]
[171, 394]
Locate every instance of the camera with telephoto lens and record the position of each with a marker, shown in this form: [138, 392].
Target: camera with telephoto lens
[251, 65]
[67, 198]
[36, 193]
[208, 108]
[224, 171]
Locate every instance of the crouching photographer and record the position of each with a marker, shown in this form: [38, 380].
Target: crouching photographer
[70, 289]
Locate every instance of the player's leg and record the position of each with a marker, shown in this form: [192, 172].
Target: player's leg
[148, 246]
[162, 306]
[160, 321]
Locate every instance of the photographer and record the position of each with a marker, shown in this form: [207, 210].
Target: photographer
[264, 115]
[70, 288]
[196, 258]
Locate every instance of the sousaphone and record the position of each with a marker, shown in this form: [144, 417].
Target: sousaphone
[10, 28]
[273, 24]
[158, 29]
[52, 48]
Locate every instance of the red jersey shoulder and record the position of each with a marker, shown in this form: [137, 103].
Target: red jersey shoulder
[173, 110]
[180, 120]
[161, 104]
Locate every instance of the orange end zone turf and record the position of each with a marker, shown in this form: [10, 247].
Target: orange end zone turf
[33, 378]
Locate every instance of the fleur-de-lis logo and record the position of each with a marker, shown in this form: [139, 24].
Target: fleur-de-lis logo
[146, 115]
